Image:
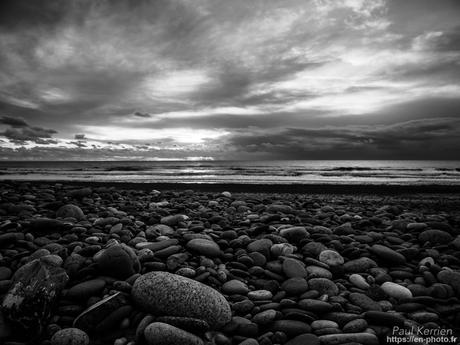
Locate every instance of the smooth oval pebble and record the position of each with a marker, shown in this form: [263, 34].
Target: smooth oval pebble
[204, 247]
[235, 287]
[158, 333]
[170, 294]
[395, 290]
[331, 258]
[70, 336]
[359, 281]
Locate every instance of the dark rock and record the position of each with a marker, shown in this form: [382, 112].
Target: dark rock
[117, 261]
[34, 290]
[70, 211]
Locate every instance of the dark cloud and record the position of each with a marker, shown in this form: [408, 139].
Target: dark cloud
[20, 131]
[439, 137]
[79, 136]
[13, 122]
[28, 133]
[139, 114]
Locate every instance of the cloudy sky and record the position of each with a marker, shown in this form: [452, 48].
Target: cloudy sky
[239, 79]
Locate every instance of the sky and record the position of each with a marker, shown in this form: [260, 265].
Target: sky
[226, 80]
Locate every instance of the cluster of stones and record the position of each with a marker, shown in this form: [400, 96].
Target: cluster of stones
[107, 266]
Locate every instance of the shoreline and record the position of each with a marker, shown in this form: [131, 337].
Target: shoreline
[374, 189]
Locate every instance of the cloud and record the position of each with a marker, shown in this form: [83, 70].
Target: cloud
[139, 114]
[13, 122]
[20, 131]
[79, 136]
[253, 72]
[439, 137]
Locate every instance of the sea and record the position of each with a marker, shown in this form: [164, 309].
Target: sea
[375, 172]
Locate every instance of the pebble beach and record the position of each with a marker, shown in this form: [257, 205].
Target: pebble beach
[104, 264]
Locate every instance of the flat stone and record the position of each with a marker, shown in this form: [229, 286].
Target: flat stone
[158, 333]
[204, 247]
[342, 338]
[388, 255]
[170, 294]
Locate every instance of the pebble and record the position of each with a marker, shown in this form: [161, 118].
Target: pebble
[260, 295]
[86, 289]
[304, 339]
[158, 333]
[174, 295]
[360, 338]
[364, 302]
[291, 327]
[70, 336]
[359, 281]
[331, 258]
[294, 268]
[323, 286]
[388, 255]
[235, 287]
[204, 247]
[70, 211]
[117, 261]
[396, 291]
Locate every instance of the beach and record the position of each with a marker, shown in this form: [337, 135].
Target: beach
[228, 264]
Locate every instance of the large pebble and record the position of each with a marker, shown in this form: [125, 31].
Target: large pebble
[170, 294]
[159, 333]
